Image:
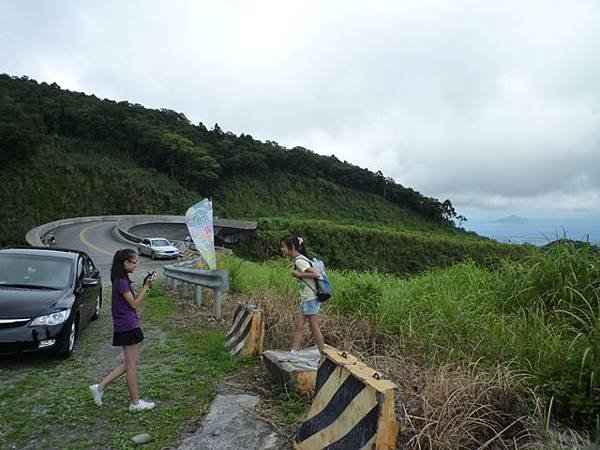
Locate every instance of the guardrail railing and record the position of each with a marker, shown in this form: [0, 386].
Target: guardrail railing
[184, 271]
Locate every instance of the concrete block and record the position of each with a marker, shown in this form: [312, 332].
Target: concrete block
[298, 372]
[353, 407]
[247, 333]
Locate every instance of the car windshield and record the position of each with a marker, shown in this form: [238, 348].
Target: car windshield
[34, 271]
[160, 242]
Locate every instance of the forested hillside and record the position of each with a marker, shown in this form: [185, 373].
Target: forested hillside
[66, 154]
[167, 141]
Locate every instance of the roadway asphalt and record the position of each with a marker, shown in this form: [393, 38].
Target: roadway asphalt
[98, 241]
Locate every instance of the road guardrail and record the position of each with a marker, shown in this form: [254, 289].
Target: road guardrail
[184, 271]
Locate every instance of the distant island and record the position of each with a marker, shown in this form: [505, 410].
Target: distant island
[512, 220]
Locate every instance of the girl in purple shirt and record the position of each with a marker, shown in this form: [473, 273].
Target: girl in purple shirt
[126, 327]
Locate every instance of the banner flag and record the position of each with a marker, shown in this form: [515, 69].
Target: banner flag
[199, 221]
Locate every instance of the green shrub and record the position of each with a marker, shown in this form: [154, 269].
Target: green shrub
[397, 251]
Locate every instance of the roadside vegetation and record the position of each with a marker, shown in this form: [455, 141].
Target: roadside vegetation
[397, 250]
[46, 403]
[497, 354]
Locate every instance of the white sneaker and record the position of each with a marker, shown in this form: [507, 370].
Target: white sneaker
[97, 394]
[141, 405]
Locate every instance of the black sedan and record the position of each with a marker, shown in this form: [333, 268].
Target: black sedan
[46, 297]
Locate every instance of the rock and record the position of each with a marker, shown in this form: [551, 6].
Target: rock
[142, 438]
[231, 425]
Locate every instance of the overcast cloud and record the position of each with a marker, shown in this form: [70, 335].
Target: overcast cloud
[494, 105]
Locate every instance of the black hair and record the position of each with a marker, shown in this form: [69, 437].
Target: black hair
[118, 263]
[293, 241]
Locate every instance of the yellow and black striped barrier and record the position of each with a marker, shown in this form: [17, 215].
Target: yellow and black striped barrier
[189, 254]
[353, 408]
[247, 333]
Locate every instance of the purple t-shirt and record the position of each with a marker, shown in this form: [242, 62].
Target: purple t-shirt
[124, 317]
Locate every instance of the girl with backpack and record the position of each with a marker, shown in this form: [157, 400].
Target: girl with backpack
[293, 247]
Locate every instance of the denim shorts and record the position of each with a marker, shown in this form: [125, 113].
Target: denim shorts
[310, 307]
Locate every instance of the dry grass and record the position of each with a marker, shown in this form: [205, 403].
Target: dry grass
[441, 407]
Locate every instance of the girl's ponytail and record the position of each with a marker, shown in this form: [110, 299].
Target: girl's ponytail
[293, 241]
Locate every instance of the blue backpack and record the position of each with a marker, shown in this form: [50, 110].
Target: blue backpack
[324, 290]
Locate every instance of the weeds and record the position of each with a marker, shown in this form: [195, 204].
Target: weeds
[530, 328]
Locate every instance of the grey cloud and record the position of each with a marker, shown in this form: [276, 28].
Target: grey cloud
[485, 104]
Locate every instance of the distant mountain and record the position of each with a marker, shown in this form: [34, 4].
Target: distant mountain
[512, 220]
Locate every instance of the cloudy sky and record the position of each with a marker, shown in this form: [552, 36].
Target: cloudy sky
[494, 105]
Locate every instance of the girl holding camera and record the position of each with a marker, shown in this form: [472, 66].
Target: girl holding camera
[126, 326]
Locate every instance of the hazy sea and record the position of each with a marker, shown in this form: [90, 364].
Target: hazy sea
[538, 231]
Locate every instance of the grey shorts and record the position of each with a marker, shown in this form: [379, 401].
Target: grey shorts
[310, 307]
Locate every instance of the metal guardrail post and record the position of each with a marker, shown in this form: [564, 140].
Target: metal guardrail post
[217, 304]
[213, 279]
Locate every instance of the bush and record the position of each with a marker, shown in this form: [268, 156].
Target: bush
[383, 249]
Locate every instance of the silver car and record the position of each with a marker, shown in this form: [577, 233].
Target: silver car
[158, 248]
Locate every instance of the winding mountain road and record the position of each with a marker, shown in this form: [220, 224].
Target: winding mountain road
[98, 241]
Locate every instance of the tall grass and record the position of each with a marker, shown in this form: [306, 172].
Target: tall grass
[540, 316]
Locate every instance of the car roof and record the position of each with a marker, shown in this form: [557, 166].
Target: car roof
[64, 253]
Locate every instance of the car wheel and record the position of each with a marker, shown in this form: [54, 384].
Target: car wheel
[68, 344]
[97, 307]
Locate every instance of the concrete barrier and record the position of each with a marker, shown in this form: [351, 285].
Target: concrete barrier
[353, 407]
[189, 254]
[124, 222]
[247, 333]
[298, 372]
[127, 223]
[35, 235]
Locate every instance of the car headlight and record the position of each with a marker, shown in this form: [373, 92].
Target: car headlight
[51, 319]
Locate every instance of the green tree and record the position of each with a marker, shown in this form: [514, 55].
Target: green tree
[189, 162]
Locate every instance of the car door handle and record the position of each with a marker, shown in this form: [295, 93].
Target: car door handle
[89, 282]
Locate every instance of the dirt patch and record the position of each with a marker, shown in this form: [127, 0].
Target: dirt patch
[191, 316]
[103, 357]
[252, 379]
